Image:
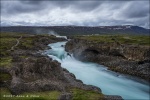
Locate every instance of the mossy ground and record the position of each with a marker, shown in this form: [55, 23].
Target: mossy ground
[47, 95]
[78, 94]
[26, 43]
[5, 45]
[6, 61]
[7, 40]
[123, 39]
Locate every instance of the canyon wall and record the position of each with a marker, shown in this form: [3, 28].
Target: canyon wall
[124, 58]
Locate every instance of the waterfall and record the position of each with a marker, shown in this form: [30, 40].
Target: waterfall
[111, 83]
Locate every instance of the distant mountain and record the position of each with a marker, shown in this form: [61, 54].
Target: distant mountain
[78, 30]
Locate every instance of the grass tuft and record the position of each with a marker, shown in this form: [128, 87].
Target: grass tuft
[6, 61]
[79, 94]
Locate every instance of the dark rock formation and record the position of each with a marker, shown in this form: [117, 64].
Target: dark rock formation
[42, 74]
[127, 59]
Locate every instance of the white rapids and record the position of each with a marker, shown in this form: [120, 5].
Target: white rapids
[109, 82]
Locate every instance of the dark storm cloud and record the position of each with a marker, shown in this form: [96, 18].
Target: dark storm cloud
[21, 6]
[34, 2]
[75, 4]
[17, 7]
[88, 6]
[136, 10]
[76, 12]
[81, 5]
[24, 9]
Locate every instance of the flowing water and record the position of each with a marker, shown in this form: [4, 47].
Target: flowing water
[111, 83]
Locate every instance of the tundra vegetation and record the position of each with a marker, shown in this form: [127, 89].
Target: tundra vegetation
[123, 39]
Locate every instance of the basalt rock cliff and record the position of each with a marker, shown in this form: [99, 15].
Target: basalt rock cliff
[124, 58]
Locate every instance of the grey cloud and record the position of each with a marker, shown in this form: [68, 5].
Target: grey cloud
[24, 9]
[36, 5]
[19, 7]
[86, 5]
[128, 12]
[32, 2]
[75, 4]
[136, 10]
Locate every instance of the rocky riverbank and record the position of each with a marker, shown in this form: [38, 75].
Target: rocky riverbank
[132, 59]
[25, 70]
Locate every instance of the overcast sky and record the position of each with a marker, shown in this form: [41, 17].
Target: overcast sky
[77, 12]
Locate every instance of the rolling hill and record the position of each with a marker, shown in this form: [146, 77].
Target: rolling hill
[78, 30]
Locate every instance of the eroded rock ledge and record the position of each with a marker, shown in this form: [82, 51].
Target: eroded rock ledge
[40, 73]
[124, 58]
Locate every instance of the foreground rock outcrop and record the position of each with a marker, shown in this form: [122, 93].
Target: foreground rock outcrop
[124, 58]
[40, 73]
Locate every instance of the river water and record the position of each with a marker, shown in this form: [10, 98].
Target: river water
[109, 82]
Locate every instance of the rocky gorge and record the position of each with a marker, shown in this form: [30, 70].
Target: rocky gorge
[30, 71]
[131, 59]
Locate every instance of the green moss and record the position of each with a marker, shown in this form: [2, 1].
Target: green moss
[123, 39]
[48, 95]
[5, 44]
[4, 77]
[26, 43]
[140, 40]
[7, 40]
[100, 38]
[13, 34]
[6, 61]
[79, 94]
[23, 56]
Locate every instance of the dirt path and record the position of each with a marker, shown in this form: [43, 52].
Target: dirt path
[18, 41]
